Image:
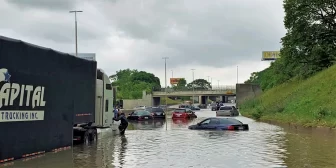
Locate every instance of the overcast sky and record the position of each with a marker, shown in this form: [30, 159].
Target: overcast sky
[211, 36]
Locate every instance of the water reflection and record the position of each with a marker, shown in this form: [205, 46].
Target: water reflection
[313, 148]
[121, 151]
[146, 125]
[50, 160]
[182, 123]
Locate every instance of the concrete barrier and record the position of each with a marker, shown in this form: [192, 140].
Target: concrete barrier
[146, 100]
[246, 91]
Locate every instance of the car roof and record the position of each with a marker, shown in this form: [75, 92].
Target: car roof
[223, 118]
[181, 108]
[141, 111]
[153, 107]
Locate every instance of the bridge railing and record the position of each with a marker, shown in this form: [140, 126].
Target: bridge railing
[220, 88]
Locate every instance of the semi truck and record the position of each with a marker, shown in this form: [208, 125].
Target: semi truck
[48, 100]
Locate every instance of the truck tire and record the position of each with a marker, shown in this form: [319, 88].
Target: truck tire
[92, 135]
[89, 136]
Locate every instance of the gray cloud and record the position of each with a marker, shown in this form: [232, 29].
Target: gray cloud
[215, 33]
[138, 33]
[45, 4]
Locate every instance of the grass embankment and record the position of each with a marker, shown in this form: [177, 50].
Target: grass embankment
[310, 102]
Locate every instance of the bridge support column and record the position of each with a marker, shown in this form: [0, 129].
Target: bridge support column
[156, 101]
[203, 99]
[213, 98]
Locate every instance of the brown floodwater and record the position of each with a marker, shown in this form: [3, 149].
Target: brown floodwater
[169, 143]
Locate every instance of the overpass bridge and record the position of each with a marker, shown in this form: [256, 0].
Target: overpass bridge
[241, 92]
[202, 94]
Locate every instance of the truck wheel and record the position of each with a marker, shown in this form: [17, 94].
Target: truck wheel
[92, 135]
[86, 137]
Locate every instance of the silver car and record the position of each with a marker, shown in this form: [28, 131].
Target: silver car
[227, 111]
[140, 108]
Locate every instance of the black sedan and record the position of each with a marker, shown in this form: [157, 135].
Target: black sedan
[215, 123]
[140, 115]
[156, 112]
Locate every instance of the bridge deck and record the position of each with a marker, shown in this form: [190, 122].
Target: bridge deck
[196, 93]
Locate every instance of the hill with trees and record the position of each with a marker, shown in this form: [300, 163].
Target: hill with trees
[308, 47]
[299, 87]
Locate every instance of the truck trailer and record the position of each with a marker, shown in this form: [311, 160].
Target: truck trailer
[49, 100]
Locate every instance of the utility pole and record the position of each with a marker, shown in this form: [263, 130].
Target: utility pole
[165, 58]
[237, 74]
[193, 85]
[76, 11]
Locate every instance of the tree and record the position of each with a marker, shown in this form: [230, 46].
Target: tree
[200, 84]
[132, 83]
[308, 46]
[181, 84]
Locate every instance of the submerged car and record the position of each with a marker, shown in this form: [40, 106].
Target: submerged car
[184, 106]
[213, 107]
[183, 113]
[227, 111]
[140, 115]
[216, 123]
[139, 108]
[156, 112]
[195, 107]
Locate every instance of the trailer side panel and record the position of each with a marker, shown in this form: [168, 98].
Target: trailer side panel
[40, 90]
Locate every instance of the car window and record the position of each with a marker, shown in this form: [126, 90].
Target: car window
[207, 121]
[141, 113]
[225, 108]
[214, 121]
[157, 110]
[230, 121]
[180, 110]
[149, 109]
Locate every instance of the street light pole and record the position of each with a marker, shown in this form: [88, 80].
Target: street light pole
[211, 83]
[193, 85]
[237, 74]
[165, 58]
[76, 11]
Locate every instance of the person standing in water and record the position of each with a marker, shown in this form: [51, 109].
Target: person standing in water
[116, 112]
[123, 122]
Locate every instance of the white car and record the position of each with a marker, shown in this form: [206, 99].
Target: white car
[139, 108]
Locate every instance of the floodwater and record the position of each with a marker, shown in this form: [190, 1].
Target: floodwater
[169, 143]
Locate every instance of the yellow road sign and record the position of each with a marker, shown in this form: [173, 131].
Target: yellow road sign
[270, 55]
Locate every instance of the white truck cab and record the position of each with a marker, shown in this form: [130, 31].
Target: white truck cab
[104, 100]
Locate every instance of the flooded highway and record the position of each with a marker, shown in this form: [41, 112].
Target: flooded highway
[169, 143]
